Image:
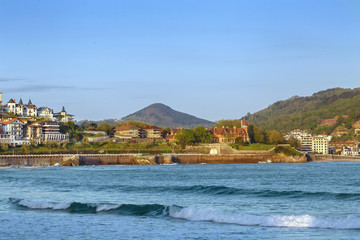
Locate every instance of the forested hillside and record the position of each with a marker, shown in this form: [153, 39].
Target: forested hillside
[308, 112]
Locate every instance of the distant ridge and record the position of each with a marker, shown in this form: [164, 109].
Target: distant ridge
[163, 116]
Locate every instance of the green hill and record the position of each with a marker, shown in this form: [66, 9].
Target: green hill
[308, 112]
[163, 116]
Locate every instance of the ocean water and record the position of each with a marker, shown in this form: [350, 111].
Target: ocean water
[319, 200]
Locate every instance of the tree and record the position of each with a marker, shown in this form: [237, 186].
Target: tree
[185, 137]
[256, 135]
[4, 147]
[25, 148]
[228, 123]
[77, 136]
[274, 137]
[64, 144]
[239, 140]
[201, 135]
[294, 142]
[104, 126]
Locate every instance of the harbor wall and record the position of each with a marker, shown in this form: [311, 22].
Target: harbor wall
[330, 157]
[226, 158]
[139, 159]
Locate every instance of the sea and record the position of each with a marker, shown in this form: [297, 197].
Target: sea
[317, 200]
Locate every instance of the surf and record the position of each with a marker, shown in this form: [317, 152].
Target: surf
[196, 214]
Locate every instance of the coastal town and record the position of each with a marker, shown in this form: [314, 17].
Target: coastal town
[26, 124]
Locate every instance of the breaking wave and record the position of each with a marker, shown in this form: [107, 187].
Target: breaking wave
[197, 214]
[291, 221]
[223, 190]
[76, 207]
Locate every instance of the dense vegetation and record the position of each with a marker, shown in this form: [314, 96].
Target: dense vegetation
[308, 112]
[193, 136]
[288, 151]
[109, 147]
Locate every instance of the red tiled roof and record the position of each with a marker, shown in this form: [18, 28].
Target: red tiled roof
[223, 131]
[150, 127]
[175, 130]
[126, 127]
[6, 121]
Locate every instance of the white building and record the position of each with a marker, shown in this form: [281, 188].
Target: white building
[320, 144]
[11, 106]
[19, 108]
[30, 110]
[12, 132]
[63, 116]
[303, 137]
[13, 127]
[51, 132]
[45, 112]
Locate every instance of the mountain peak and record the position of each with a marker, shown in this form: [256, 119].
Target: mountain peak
[162, 115]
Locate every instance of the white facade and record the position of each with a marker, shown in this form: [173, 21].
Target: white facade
[320, 144]
[303, 137]
[45, 112]
[63, 116]
[11, 106]
[51, 132]
[309, 143]
[13, 127]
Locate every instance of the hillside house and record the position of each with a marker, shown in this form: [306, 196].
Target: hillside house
[229, 135]
[151, 132]
[347, 148]
[45, 112]
[127, 131]
[63, 116]
[170, 137]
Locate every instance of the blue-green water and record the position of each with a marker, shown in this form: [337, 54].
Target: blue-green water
[240, 201]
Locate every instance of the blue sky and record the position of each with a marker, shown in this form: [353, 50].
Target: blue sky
[213, 59]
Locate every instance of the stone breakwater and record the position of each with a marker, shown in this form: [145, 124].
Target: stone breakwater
[139, 159]
[330, 157]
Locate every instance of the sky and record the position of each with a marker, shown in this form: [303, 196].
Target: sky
[213, 59]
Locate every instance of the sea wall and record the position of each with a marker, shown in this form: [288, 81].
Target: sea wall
[330, 157]
[226, 158]
[139, 159]
[39, 160]
[113, 159]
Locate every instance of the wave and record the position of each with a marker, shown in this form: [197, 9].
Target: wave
[290, 221]
[76, 207]
[197, 214]
[223, 190]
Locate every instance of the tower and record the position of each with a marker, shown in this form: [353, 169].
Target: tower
[0, 99]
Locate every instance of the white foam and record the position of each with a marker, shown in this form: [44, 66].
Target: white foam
[43, 205]
[106, 207]
[291, 221]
